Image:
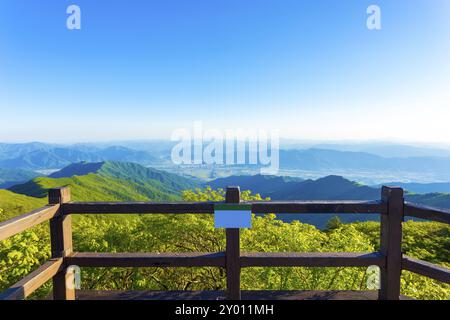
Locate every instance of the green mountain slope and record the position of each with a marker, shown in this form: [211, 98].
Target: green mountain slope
[327, 188]
[438, 200]
[110, 181]
[14, 204]
[286, 188]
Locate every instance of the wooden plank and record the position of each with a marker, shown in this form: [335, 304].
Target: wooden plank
[426, 269]
[428, 213]
[313, 259]
[59, 195]
[61, 244]
[219, 295]
[23, 222]
[136, 207]
[233, 267]
[90, 259]
[308, 207]
[33, 281]
[301, 207]
[391, 243]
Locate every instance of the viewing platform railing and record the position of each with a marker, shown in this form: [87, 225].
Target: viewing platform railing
[392, 208]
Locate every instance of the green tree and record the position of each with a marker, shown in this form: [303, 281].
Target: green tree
[334, 223]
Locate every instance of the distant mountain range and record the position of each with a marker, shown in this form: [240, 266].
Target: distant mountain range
[327, 188]
[382, 149]
[287, 188]
[426, 169]
[322, 160]
[38, 156]
[10, 177]
[124, 181]
[443, 187]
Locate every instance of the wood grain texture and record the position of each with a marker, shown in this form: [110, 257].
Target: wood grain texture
[391, 243]
[219, 295]
[137, 207]
[33, 281]
[427, 213]
[292, 207]
[308, 207]
[61, 244]
[426, 269]
[90, 259]
[23, 222]
[233, 249]
[313, 259]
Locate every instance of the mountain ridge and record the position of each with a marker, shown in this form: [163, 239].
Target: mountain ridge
[110, 181]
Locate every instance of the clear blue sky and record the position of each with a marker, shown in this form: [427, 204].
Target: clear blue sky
[141, 69]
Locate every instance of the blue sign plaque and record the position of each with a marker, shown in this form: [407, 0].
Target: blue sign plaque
[233, 216]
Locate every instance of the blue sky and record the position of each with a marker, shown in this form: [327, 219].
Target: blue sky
[141, 69]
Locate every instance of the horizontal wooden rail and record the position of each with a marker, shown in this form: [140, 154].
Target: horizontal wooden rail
[135, 207]
[33, 281]
[21, 223]
[426, 269]
[427, 213]
[90, 259]
[307, 207]
[391, 207]
[296, 207]
[312, 259]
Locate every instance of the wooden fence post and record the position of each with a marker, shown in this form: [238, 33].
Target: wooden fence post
[233, 265]
[61, 244]
[391, 243]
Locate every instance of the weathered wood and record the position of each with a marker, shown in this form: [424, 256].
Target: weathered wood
[294, 207]
[90, 259]
[23, 222]
[33, 281]
[233, 267]
[60, 225]
[59, 195]
[219, 295]
[136, 207]
[309, 207]
[426, 269]
[390, 260]
[391, 243]
[427, 213]
[313, 259]
[61, 244]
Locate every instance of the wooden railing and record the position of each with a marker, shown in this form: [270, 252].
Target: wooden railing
[390, 259]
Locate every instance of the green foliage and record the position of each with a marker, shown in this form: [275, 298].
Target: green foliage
[188, 233]
[23, 253]
[334, 223]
